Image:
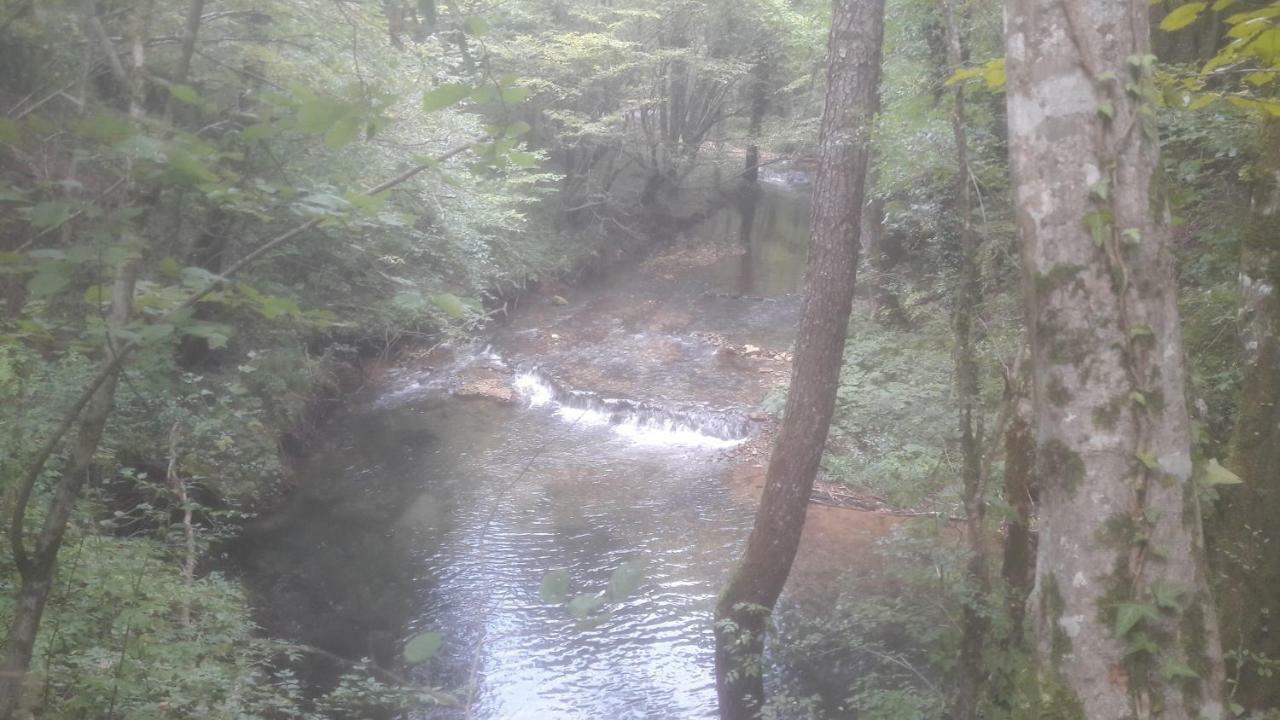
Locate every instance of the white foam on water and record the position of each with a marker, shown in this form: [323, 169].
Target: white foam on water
[537, 392]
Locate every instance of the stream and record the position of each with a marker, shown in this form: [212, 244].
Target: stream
[613, 425]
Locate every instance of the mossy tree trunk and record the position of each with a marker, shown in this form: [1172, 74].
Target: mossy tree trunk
[1124, 620]
[1250, 526]
[968, 296]
[742, 613]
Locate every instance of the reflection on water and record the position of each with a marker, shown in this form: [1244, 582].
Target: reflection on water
[771, 226]
[430, 512]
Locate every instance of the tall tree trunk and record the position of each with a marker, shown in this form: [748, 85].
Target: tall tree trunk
[964, 704]
[1125, 623]
[1250, 512]
[742, 613]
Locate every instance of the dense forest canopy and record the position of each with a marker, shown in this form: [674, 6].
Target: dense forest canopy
[1038, 337]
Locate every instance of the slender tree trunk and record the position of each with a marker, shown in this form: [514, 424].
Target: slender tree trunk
[1018, 559]
[745, 604]
[37, 567]
[759, 106]
[1125, 622]
[971, 672]
[1250, 525]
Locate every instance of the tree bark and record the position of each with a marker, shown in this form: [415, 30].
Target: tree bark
[1250, 513]
[1124, 620]
[1017, 565]
[744, 606]
[964, 704]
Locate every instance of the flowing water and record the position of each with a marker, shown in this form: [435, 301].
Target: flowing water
[631, 406]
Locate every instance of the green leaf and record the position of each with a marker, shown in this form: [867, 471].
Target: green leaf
[10, 132]
[260, 131]
[197, 278]
[1179, 671]
[342, 132]
[185, 94]
[188, 167]
[1166, 595]
[1147, 458]
[273, 307]
[445, 96]
[1106, 108]
[104, 128]
[626, 579]
[49, 280]
[517, 129]
[141, 147]
[1099, 224]
[422, 647]
[522, 159]
[585, 604]
[1182, 16]
[1215, 474]
[555, 587]
[475, 26]
[216, 334]
[1100, 190]
[318, 115]
[158, 331]
[1130, 615]
[515, 95]
[96, 295]
[50, 214]
[450, 305]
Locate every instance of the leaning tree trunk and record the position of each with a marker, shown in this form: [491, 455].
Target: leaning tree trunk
[1250, 526]
[36, 567]
[1124, 619]
[745, 605]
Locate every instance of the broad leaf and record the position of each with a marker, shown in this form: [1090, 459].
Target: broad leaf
[445, 96]
[1182, 16]
[450, 305]
[185, 93]
[1215, 474]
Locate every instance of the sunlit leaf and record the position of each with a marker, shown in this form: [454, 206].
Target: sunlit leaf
[48, 281]
[342, 132]
[1215, 474]
[450, 305]
[445, 96]
[185, 94]
[475, 25]
[1182, 16]
[1179, 671]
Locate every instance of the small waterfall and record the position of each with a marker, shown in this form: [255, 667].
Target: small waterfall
[641, 422]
